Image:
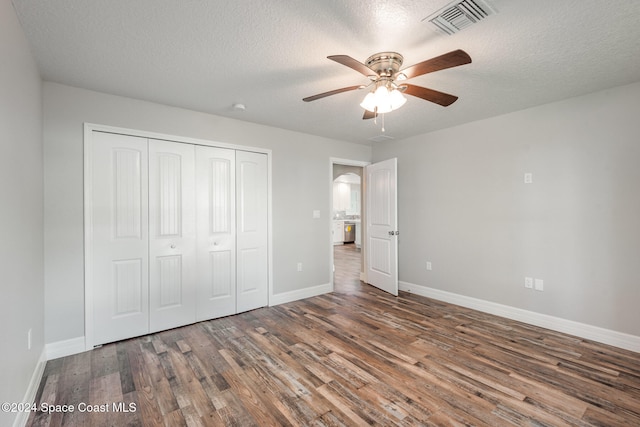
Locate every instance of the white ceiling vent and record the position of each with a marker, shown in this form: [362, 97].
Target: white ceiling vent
[381, 138]
[459, 15]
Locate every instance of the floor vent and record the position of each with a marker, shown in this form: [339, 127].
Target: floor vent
[381, 138]
[459, 15]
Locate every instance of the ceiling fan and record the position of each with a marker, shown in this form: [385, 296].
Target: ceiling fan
[387, 79]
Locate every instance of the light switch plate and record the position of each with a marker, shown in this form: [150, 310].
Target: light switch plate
[316, 214]
[539, 285]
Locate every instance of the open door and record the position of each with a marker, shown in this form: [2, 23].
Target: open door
[382, 225]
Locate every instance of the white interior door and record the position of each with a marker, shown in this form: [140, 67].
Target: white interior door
[216, 218]
[172, 235]
[119, 230]
[382, 225]
[252, 216]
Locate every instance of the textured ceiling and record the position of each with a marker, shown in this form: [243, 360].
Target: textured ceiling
[206, 55]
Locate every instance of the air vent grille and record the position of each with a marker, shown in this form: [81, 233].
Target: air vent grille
[459, 15]
[381, 138]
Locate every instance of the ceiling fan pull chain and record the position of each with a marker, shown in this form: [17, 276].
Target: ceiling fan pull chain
[383, 123]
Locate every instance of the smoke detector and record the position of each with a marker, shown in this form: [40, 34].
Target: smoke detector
[459, 15]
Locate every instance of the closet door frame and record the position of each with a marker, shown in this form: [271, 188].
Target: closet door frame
[89, 129]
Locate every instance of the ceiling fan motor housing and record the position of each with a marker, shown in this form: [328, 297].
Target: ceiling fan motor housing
[385, 64]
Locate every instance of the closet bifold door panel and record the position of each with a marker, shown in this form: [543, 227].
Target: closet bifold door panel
[252, 228]
[119, 253]
[216, 242]
[172, 235]
[175, 233]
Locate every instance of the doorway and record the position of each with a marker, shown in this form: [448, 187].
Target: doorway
[378, 236]
[346, 230]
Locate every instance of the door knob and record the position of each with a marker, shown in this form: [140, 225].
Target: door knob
[173, 246]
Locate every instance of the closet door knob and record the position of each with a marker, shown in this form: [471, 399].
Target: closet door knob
[173, 246]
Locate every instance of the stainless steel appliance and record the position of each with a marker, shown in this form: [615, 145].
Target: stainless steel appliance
[349, 232]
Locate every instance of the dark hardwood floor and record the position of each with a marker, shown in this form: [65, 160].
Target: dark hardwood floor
[357, 356]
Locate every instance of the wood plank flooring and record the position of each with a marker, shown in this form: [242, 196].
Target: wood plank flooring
[355, 357]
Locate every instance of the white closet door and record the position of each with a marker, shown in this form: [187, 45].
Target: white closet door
[216, 213]
[172, 235]
[251, 193]
[119, 227]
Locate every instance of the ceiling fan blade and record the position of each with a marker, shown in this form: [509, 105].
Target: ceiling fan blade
[431, 95]
[448, 60]
[354, 64]
[331, 92]
[369, 115]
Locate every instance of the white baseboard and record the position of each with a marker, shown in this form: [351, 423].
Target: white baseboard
[296, 295]
[64, 348]
[582, 330]
[30, 396]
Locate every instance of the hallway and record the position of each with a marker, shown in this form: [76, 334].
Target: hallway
[347, 261]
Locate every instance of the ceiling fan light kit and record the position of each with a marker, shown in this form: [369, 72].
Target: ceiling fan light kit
[383, 100]
[383, 69]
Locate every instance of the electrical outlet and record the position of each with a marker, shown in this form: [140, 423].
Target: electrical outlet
[528, 178]
[539, 285]
[429, 265]
[316, 214]
[299, 266]
[29, 339]
[528, 282]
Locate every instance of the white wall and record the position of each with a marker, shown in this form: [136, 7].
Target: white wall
[21, 253]
[464, 207]
[301, 176]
